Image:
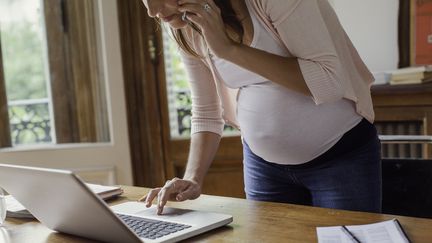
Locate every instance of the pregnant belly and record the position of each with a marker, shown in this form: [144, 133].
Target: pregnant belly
[286, 127]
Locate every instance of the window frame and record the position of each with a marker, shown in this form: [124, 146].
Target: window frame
[5, 136]
[74, 63]
[146, 115]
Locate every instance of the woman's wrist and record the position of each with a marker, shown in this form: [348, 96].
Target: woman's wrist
[193, 177]
[231, 51]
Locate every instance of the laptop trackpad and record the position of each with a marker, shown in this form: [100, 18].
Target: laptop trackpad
[167, 212]
[139, 209]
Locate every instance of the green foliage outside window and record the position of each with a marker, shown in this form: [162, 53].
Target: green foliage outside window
[23, 61]
[23, 54]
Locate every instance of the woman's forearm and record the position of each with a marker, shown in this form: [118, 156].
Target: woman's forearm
[281, 70]
[202, 150]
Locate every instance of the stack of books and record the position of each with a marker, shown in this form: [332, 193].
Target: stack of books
[411, 75]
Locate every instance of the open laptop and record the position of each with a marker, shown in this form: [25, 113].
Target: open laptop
[62, 202]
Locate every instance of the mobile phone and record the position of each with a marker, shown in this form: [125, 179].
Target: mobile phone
[184, 18]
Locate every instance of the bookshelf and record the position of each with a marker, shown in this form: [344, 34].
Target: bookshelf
[404, 110]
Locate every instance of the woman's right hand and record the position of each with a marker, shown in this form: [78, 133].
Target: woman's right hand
[174, 190]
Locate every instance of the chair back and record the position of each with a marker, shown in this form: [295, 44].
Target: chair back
[407, 187]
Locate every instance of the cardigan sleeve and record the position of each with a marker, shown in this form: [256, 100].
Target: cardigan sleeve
[302, 27]
[206, 105]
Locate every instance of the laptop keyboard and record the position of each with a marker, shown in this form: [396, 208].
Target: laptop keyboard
[150, 228]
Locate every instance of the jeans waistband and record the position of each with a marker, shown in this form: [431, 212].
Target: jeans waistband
[356, 137]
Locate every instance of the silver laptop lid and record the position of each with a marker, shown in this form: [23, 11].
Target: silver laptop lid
[62, 202]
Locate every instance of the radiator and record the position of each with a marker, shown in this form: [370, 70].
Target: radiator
[402, 150]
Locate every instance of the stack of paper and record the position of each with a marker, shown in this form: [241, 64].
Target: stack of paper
[105, 192]
[17, 210]
[389, 231]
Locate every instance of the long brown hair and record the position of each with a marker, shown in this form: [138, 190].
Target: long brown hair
[230, 20]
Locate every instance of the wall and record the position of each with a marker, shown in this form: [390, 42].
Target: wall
[372, 26]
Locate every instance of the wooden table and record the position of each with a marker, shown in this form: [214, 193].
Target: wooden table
[253, 222]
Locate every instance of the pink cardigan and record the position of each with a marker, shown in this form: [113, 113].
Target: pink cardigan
[310, 31]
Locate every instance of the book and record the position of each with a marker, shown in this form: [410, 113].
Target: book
[16, 210]
[381, 78]
[408, 73]
[411, 75]
[389, 231]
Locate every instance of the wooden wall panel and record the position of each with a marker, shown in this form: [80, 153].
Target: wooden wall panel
[225, 176]
[138, 34]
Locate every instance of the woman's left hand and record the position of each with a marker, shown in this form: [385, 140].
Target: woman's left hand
[207, 16]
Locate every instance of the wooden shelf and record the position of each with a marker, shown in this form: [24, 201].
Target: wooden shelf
[405, 103]
[387, 89]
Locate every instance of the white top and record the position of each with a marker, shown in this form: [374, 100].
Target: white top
[280, 125]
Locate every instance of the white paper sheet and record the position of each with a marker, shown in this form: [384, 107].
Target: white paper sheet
[382, 232]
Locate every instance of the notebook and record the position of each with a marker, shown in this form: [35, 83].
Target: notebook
[389, 231]
[62, 202]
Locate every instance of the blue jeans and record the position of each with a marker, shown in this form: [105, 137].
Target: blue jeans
[351, 181]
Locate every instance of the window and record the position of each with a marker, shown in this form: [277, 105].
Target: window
[25, 64]
[52, 75]
[179, 100]
[85, 67]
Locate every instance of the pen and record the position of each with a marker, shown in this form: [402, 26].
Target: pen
[349, 234]
[402, 230]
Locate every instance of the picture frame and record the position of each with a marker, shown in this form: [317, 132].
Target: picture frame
[420, 32]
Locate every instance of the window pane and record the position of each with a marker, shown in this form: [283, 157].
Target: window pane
[179, 100]
[24, 63]
[22, 42]
[30, 122]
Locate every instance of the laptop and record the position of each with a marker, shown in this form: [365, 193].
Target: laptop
[62, 202]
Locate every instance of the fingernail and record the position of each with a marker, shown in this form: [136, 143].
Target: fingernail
[179, 197]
